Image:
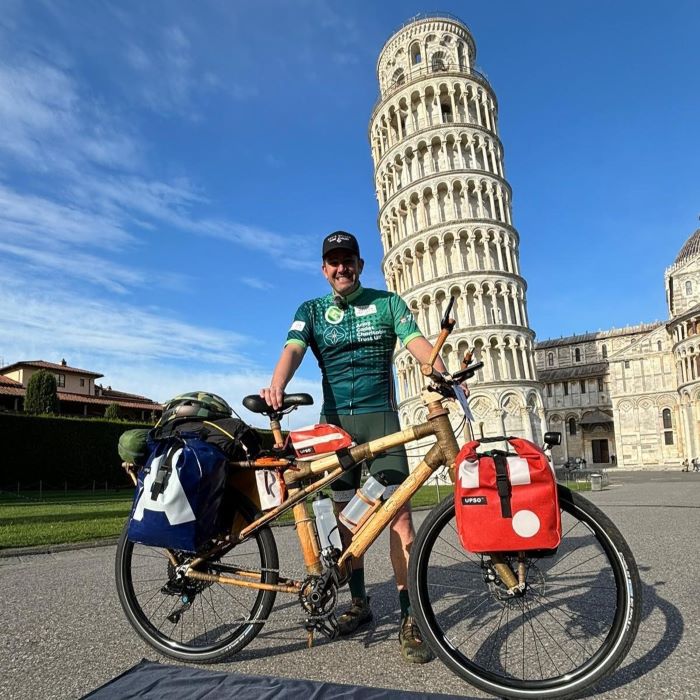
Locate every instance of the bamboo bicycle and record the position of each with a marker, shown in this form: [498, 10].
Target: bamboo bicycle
[512, 624]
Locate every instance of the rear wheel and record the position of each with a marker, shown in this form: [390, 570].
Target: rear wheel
[574, 624]
[197, 621]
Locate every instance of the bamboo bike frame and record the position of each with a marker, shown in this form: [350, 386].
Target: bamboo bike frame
[444, 451]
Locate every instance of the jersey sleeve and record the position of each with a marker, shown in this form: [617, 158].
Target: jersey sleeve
[405, 325]
[300, 331]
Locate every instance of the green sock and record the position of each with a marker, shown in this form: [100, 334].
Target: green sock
[404, 602]
[357, 584]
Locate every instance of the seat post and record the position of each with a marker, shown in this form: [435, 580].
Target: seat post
[306, 528]
[276, 429]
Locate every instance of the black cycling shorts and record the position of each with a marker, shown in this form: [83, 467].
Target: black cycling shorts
[391, 467]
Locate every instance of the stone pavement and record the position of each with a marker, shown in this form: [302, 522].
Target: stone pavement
[63, 633]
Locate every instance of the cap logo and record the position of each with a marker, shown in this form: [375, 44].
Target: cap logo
[338, 239]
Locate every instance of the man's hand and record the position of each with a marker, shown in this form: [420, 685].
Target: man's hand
[273, 395]
[289, 361]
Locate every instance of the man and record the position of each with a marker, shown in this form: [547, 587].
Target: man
[352, 332]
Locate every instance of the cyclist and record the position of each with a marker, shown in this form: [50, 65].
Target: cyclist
[352, 332]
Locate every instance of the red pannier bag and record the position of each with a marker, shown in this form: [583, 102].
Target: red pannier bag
[314, 441]
[506, 503]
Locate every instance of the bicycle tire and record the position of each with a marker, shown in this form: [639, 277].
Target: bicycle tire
[593, 603]
[206, 631]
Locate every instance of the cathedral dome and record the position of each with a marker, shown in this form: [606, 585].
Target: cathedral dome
[690, 249]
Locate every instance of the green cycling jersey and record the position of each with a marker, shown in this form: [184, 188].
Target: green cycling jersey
[354, 343]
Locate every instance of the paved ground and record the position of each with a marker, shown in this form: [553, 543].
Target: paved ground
[62, 631]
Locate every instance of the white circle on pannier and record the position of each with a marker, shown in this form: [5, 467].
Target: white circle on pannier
[526, 523]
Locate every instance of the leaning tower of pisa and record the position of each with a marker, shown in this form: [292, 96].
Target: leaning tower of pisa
[445, 221]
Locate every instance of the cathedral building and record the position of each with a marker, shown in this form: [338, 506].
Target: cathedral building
[628, 397]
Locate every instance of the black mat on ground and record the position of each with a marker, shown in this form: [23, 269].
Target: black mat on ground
[152, 681]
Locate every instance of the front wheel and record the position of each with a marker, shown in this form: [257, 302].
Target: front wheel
[574, 624]
[189, 619]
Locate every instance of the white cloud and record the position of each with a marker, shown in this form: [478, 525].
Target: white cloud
[47, 318]
[163, 382]
[113, 278]
[96, 196]
[144, 351]
[32, 218]
[168, 77]
[48, 125]
[257, 283]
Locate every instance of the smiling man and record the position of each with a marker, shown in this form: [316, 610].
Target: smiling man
[353, 332]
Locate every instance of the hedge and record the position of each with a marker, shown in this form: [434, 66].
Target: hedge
[59, 451]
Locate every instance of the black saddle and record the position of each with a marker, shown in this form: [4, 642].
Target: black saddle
[256, 403]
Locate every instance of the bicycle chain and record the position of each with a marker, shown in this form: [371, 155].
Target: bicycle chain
[301, 577]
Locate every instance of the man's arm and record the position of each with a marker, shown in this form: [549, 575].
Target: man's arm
[286, 366]
[421, 348]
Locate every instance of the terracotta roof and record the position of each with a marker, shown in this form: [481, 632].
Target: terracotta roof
[596, 369]
[16, 389]
[123, 395]
[597, 335]
[595, 417]
[42, 364]
[85, 398]
[6, 381]
[8, 390]
[690, 249]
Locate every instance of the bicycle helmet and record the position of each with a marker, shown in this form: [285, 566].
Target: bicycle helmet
[193, 405]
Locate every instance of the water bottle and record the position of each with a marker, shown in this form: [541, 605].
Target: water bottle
[326, 524]
[362, 502]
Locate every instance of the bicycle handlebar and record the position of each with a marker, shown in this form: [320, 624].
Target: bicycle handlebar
[446, 318]
[446, 326]
[468, 372]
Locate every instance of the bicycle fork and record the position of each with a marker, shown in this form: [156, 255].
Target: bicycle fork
[515, 584]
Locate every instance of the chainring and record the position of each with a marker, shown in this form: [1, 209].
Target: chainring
[318, 598]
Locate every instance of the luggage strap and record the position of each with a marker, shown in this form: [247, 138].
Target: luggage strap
[345, 458]
[163, 474]
[503, 484]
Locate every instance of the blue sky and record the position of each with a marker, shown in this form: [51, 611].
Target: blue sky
[168, 169]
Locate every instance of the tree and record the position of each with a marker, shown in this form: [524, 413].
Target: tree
[113, 412]
[42, 396]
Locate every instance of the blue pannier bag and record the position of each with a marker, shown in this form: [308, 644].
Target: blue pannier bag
[179, 494]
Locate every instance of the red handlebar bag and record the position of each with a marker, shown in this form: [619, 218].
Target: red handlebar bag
[506, 503]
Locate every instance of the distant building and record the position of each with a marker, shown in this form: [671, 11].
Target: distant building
[78, 392]
[631, 396]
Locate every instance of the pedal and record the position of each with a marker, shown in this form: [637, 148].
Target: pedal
[327, 626]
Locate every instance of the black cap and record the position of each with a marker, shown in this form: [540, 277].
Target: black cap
[340, 240]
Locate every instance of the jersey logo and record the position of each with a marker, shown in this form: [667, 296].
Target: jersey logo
[365, 310]
[334, 335]
[298, 326]
[334, 315]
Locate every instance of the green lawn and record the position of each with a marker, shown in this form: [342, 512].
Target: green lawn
[577, 485]
[58, 517]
